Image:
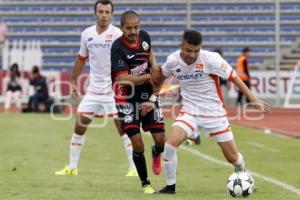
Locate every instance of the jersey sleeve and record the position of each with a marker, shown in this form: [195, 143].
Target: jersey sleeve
[118, 60]
[221, 68]
[147, 38]
[166, 68]
[83, 51]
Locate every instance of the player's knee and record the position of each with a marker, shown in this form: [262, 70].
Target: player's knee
[80, 130]
[138, 146]
[137, 143]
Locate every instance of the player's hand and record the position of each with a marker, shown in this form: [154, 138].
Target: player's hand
[146, 107]
[75, 94]
[262, 106]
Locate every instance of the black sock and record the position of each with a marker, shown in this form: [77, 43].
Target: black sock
[140, 164]
[156, 151]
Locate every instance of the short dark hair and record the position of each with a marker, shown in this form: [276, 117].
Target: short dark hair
[104, 2]
[35, 70]
[127, 14]
[192, 37]
[246, 50]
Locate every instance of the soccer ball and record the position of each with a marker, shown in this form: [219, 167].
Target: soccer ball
[240, 184]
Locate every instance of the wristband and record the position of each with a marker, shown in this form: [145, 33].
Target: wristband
[153, 98]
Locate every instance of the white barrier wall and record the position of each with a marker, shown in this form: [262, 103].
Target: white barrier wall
[263, 84]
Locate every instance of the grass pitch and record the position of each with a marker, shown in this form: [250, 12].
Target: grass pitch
[33, 146]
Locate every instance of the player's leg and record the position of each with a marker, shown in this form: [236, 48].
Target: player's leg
[139, 160]
[131, 126]
[239, 98]
[220, 130]
[128, 149]
[154, 123]
[85, 114]
[247, 83]
[157, 149]
[232, 155]
[183, 127]
[17, 97]
[8, 98]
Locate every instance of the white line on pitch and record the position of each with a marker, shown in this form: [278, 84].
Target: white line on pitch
[281, 184]
[262, 146]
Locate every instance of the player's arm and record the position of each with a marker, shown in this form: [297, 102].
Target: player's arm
[258, 104]
[79, 64]
[155, 74]
[128, 79]
[77, 69]
[157, 83]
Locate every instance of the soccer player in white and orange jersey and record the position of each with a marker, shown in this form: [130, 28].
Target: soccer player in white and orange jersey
[198, 72]
[96, 42]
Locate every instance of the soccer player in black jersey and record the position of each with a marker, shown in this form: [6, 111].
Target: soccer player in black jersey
[137, 99]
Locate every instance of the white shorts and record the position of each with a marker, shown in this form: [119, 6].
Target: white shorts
[91, 107]
[217, 128]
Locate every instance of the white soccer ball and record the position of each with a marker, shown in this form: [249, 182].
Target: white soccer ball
[240, 184]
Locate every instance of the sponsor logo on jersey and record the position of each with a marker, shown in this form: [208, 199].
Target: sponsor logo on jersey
[98, 45]
[130, 56]
[189, 76]
[138, 70]
[145, 46]
[120, 62]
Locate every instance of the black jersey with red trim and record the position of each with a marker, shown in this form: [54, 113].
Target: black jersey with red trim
[134, 61]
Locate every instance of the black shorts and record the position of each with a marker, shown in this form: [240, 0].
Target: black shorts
[131, 119]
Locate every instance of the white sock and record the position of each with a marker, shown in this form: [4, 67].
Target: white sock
[76, 145]
[170, 163]
[128, 150]
[239, 165]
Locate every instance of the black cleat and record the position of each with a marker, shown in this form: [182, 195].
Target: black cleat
[169, 189]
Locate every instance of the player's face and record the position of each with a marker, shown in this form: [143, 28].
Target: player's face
[103, 14]
[189, 52]
[131, 29]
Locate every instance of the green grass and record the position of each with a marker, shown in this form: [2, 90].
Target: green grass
[33, 146]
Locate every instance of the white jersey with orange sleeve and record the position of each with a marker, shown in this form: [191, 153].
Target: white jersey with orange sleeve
[199, 82]
[97, 48]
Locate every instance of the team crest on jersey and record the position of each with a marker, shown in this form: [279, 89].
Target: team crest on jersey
[108, 38]
[145, 46]
[178, 70]
[224, 67]
[90, 39]
[199, 67]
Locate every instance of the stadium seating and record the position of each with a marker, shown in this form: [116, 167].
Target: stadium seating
[227, 24]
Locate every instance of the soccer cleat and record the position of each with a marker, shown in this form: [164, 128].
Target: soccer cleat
[169, 189]
[156, 164]
[132, 172]
[67, 172]
[148, 189]
[189, 142]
